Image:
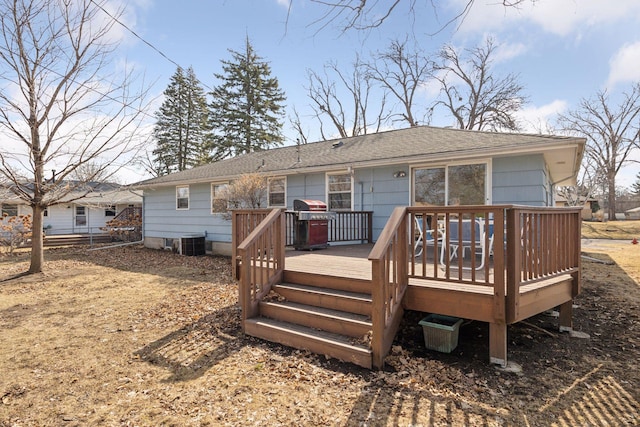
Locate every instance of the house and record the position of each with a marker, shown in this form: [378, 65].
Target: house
[79, 212]
[418, 166]
[588, 205]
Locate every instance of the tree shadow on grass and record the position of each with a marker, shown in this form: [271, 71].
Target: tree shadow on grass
[192, 350]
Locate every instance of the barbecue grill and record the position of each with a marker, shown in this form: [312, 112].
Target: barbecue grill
[311, 224]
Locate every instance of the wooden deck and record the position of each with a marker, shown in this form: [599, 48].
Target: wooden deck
[287, 296]
[349, 261]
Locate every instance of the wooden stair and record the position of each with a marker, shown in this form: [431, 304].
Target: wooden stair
[324, 314]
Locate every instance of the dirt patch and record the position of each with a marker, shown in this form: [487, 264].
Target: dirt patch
[131, 336]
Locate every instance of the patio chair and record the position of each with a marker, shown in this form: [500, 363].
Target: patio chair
[424, 237]
[460, 241]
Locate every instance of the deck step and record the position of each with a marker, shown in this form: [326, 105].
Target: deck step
[327, 281]
[71, 240]
[302, 337]
[352, 302]
[340, 322]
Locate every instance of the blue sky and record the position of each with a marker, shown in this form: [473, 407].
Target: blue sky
[563, 50]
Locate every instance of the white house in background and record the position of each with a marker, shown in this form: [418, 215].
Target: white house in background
[375, 172]
[74, 215]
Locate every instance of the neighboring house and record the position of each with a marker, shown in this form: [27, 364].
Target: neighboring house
[587, 205]
[375, 172]
[77, 213]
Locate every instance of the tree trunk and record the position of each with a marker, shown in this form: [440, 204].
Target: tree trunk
[611, 197]
[37, 241]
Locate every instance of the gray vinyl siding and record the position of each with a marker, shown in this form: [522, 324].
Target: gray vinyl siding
[162, 219]
[520, 180]
[309, 186]
[378, 191]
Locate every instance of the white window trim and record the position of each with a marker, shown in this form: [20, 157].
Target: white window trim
[326, 186]
[488, 179]
[269, 192]
[188, 198]
[214, 184]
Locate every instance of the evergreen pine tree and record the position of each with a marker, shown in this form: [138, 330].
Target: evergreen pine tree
[247, 109]
[182, 129]
[635, 187]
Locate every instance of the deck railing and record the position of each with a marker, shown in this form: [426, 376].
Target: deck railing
[261, 262]
[542, 243]
[351, 226]
[389, 283]
[348, 226]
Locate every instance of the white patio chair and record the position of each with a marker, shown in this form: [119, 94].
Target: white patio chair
[424, 237]
[460, 242]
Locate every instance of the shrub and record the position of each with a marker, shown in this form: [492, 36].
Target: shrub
[15, 231]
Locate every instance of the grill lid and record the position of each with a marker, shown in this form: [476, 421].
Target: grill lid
[309, 205]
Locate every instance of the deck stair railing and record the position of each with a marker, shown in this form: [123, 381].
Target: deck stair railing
[389, 283]
[261, 256]
[129, 213]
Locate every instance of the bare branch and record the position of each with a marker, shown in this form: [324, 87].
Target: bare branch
[612, 134]
[473, 95]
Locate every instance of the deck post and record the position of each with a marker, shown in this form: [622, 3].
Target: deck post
[377, 314]
[498, 343]
[566, 316]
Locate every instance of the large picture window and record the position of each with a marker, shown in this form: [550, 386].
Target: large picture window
[450, 185]
[277, 192]
[339, 192]
[182, 197]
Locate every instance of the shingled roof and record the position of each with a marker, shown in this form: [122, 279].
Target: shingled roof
[422, 143]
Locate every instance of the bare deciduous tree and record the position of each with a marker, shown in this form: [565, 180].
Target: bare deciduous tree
[401, 71]
[369, 14]
[296, 125]
[350, 118]
[473, 94]
[613, 134]
[63, 105]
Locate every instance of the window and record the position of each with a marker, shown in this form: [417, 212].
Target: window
[219, 198]
[81, 216]
[45, 212]
[9, 209]
[182, 197]
[450, 185]
[339, 192]
[277, 192]
[110, 211]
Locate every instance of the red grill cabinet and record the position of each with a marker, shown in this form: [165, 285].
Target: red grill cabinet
[311, 224]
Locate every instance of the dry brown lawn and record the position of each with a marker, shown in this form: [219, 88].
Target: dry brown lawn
[136, 337]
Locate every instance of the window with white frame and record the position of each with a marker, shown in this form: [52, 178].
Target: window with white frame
[110, 211]
[460, 184]
[277, 190]
[9, 209]
[219, 198]
[182, 197]
[81, 216]
[339, 192]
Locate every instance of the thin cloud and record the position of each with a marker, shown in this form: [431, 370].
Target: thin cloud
[624, 65]
[539, 119]
[560, 17]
